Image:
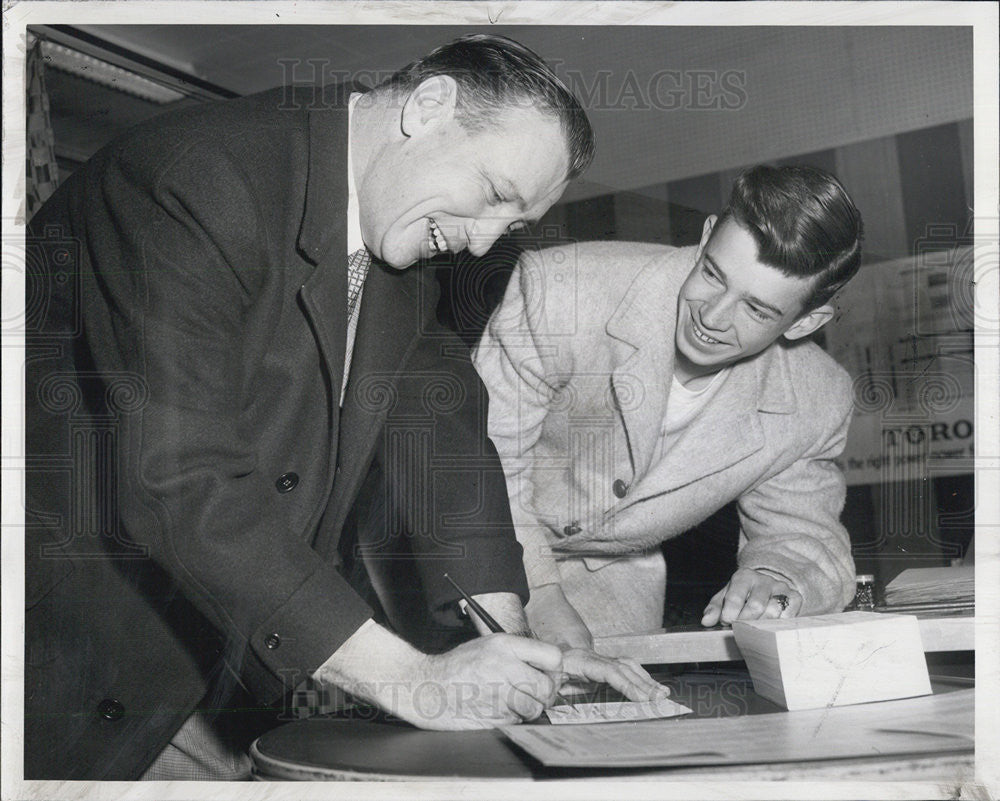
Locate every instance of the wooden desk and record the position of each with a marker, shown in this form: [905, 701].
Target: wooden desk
[330, 749]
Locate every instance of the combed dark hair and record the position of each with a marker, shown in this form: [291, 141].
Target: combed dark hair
[494, 73]
[804, 222]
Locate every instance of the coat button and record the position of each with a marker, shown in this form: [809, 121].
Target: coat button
[287, 482]
[272, 641]
[110, 709]
[570, 530]
[619, 488]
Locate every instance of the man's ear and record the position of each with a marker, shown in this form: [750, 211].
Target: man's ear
[430, 104]
[810, 322]
[706, 232]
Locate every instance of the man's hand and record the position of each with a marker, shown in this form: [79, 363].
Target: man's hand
[750, 595]
[559, 623]
[489, 681]
[625, 675]
[552, 618]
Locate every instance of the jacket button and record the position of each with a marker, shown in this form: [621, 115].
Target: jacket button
[570, 530]
[619, 488]
[287, 482]
[272, 641]
[110, 709]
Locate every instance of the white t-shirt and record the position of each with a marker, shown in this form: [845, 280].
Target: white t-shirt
[683, 406]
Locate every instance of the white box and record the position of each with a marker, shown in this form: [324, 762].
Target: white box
[834, 660]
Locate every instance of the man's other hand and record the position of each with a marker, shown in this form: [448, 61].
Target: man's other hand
[552, 618]
[625, 675]
[751, 595]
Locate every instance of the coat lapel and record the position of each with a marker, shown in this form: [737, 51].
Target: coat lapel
[322, 241]
[324, 303]
[730, 414]
[322, 235]
[389, 328]
[640, 324]
[324, 298]
[389, 321]
[733, 416]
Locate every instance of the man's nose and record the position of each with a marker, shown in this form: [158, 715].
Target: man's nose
[715, 312]
[485, 231]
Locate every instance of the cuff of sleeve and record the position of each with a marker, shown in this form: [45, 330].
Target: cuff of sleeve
[776, 566]
[295, 640]
[767, 571]
[819, 591]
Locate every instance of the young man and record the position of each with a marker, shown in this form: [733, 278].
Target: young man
[214, 463]
[636, 389]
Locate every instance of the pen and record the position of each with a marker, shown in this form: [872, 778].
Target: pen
[485, 616]
[491, 624]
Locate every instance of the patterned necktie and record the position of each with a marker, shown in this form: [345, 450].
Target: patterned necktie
[357, 270]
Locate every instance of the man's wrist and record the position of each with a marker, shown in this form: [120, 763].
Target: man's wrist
[505, 608]
[372, 654]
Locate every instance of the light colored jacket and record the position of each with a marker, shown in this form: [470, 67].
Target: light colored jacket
[578, 362]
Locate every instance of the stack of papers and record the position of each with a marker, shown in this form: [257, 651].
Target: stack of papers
[931, 724]
[930, 585]
[834, 660]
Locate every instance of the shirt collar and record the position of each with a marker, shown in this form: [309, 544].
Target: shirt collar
[354, 239]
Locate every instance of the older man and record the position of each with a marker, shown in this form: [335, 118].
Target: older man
[239, 423]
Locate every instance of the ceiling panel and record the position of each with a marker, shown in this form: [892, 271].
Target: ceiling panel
[666, 102]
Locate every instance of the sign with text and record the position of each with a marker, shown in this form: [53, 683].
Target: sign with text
[904, 331]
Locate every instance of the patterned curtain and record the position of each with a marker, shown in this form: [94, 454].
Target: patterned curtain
[42, 174]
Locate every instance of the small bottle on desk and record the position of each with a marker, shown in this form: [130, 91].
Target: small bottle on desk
[864, 594]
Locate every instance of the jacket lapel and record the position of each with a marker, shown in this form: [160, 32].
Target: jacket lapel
[324, 300]
[324, 303]
[733, 417]
[389, 328]
[640, 324]
[322, 241]
[388, 324]
[730, 415]
[322, 235]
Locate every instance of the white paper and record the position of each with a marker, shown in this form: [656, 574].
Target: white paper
[931, 724]
[616, 711]
[932, 584]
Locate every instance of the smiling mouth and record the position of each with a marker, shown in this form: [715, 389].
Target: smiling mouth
[436, 239]
[701, 336]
